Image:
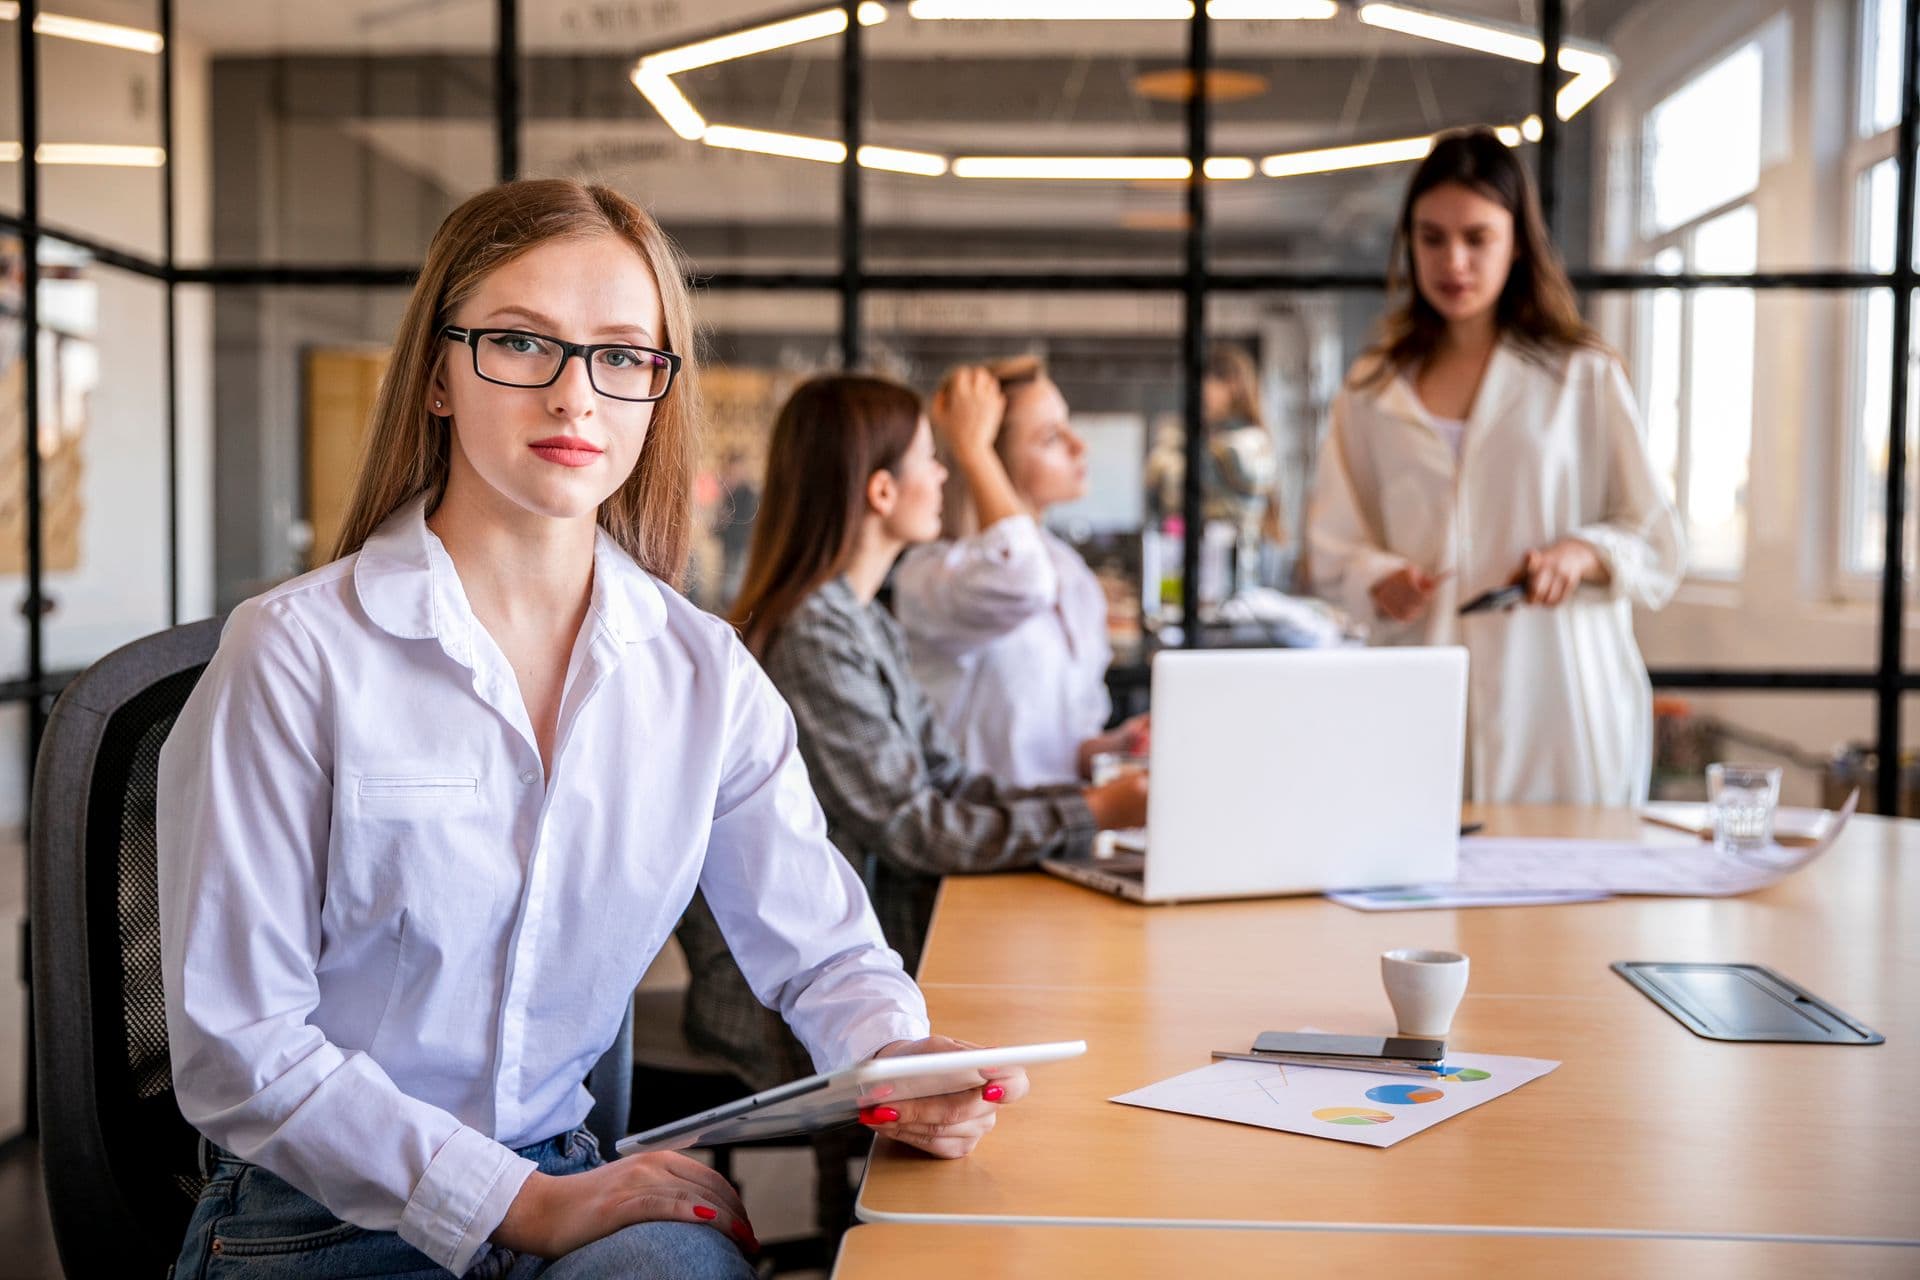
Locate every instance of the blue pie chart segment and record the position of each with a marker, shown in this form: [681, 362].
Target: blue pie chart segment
[1404, 1095]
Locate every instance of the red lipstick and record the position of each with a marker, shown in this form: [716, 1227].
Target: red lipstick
[567, 451]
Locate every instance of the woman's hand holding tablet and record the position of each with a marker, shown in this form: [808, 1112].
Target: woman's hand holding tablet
[938, 1094]
[948, 1125]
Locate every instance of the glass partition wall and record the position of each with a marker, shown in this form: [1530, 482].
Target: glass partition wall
[210, 211]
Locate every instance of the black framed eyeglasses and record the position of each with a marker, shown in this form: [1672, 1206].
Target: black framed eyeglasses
[617, 370]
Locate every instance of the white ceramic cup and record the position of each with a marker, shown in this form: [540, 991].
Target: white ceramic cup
[1424, 988]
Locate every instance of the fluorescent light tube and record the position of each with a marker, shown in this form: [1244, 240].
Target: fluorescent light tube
[752, 40]
[665, 96]
[1593, 69]
[1272, 10]
[1228, 168]
[111, 34]
[101, 154]
[1593, 72]
[1500, 41]
[1051, 10]
[893, 160]
[1357, 156]
[775, 144]
[1110, 168]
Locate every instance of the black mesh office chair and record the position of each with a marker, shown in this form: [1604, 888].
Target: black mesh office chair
[121, 1165]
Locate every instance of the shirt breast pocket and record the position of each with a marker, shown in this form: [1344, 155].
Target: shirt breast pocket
[411, 840]
[394, 794]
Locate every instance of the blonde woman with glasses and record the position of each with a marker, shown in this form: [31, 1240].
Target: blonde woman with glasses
[1007, 624]
[434, 807]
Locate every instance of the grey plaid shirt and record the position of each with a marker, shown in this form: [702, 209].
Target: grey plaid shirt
[900, 804]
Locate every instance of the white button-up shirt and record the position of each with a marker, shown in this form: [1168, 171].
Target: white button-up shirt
[1559, 708]
[394, 946]
[1008, 631]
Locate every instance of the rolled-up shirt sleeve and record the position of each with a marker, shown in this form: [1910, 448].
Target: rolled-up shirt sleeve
[1639, 536]
[958, 596]
[1346, 552]
[794, 914]
[913, 803]
[243, 829]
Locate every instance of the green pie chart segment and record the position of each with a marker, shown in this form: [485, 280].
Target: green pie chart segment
[1464, 1075]
[1351, 1115]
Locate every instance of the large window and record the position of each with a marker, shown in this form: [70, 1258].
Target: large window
[1701, 153]
[1876, 196]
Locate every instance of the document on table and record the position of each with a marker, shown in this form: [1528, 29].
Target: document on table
[1347, 1106]
[1512, 871]
[1790, 825]
[1426, 897]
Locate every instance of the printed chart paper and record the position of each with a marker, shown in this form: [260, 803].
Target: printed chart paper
[1347, 1106]
[1508, 871]
[1427, 897]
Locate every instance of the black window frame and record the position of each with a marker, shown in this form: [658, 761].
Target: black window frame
[1886, 680]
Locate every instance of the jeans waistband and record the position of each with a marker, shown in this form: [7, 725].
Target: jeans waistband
[541, 1153]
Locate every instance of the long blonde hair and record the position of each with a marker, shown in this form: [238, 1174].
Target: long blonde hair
[407, 448]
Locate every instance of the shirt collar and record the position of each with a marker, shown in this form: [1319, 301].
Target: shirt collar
[1497, 386]
[407, 584]
[628, 600]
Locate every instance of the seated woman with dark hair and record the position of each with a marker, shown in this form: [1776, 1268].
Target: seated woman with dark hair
[851, 482]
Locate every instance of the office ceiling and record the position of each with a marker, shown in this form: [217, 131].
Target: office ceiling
[408, 79]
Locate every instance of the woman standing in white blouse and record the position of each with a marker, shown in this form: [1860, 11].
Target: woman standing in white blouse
[1008, 627]
[434, 807]
[1489, 438]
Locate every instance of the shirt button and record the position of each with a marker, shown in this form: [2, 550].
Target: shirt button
[528, 778]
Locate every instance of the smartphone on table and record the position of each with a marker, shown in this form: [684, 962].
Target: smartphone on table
[1296, 1044]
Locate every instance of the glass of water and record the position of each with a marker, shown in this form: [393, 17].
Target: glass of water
[1743, 798]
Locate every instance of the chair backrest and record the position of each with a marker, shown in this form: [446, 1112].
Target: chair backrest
[121, 1165]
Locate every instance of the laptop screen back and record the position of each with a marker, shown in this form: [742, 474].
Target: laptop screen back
[1296, 771]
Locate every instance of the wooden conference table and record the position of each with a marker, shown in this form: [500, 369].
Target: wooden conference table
[949, 1252]
[1645, 1130]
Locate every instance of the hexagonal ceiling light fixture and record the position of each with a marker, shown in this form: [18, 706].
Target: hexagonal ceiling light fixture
[1593, 68]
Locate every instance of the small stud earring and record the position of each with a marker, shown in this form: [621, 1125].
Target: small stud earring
[436, 404]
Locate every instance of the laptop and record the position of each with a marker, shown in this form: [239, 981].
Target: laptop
[1295, 771]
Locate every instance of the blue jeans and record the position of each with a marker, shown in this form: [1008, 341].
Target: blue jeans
[252, 1224]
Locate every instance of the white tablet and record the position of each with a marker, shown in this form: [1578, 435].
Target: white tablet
[823, 1101]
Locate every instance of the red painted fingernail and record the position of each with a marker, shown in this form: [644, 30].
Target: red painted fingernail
[993, 1093]
[740, 1229]
[879, 1115]
[705, 1213]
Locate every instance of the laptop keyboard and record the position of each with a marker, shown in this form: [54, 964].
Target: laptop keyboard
[1123, 866]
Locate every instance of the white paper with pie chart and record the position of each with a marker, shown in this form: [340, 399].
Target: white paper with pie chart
[1348, 1106]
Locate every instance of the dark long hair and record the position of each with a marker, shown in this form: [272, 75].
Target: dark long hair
[832, 434]
[1537, 306]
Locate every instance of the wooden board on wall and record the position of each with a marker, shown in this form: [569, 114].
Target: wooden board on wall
[340, 388]
[61, 479]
